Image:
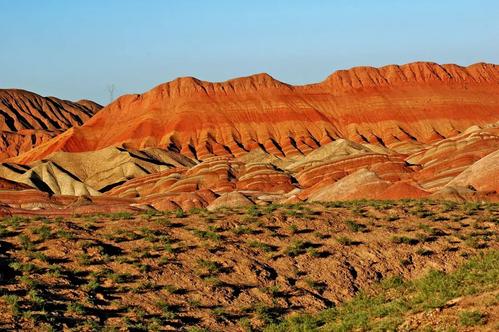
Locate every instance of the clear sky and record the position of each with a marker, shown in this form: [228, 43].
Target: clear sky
[75, 49]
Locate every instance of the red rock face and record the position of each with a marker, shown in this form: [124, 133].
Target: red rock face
[27, 119]
[412, 131]
[420, 102]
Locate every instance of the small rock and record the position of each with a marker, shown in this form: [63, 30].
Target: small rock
[453, 302]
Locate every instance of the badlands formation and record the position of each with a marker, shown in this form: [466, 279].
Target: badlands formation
[412, 131]
[27, 119]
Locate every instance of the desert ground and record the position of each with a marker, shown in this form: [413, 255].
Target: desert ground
[327, 266]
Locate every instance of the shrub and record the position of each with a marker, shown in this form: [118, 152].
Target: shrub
[4, 231]
[317, 285]
[119, 277]
[206, 234]
[13, 302]
[345, 241]
[65, 234]
[270, 208]
[167, 310]
[76, 308]
[92, 286]
[211, 266]
[145, 268]
[164, 221]
[404, 240]
[55, 270]
[312, 252]
[172, 289]
[261, 245]
[84, 259]
[266, 314]
[253, 211]
[23, 267]
[297, 247]
[392, 217]
[475, 243]
[472, 318]
[424, 252]
[293, 229]
[240, 230]
[355, 227]
[44, 232]
[38, 255]
[179, 213]
[213, 281]
[272, 291]
[25, 242]
[35, 297]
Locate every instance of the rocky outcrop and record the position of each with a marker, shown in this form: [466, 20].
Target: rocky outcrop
[483, 175]
[92, 173]
[230, 200]
[442, 161]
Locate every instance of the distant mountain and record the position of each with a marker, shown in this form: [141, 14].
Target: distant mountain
[27, 119]
[416, 103]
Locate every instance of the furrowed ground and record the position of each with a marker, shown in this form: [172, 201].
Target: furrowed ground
[353, 265]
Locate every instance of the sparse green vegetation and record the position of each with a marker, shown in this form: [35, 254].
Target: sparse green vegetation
[26, 242]
[76, 308]
[424, 252]
[262, 246]
[472, 318]
[254, 211]
[297, 247]
[240, 230]
[355, 227]
[44, 232]
[386, 309]
[345, 241]
[404, 240]
[13, 302]
[206, 234]
[209, 268]
[315, 285]
[179, 213]
[176, 270]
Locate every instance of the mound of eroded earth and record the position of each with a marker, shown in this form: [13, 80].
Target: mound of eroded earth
[462, 167]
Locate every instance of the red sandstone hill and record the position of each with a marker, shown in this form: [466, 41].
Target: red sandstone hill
[411, 131]
[389, 106]
[27, 119]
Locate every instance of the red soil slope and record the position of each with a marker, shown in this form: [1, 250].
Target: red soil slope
[417, 102]
[27, 119]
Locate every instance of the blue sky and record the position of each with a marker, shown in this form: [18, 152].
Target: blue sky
[75, 49]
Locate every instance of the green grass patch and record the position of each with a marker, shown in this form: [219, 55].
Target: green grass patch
[386, 307]
[472, 318]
